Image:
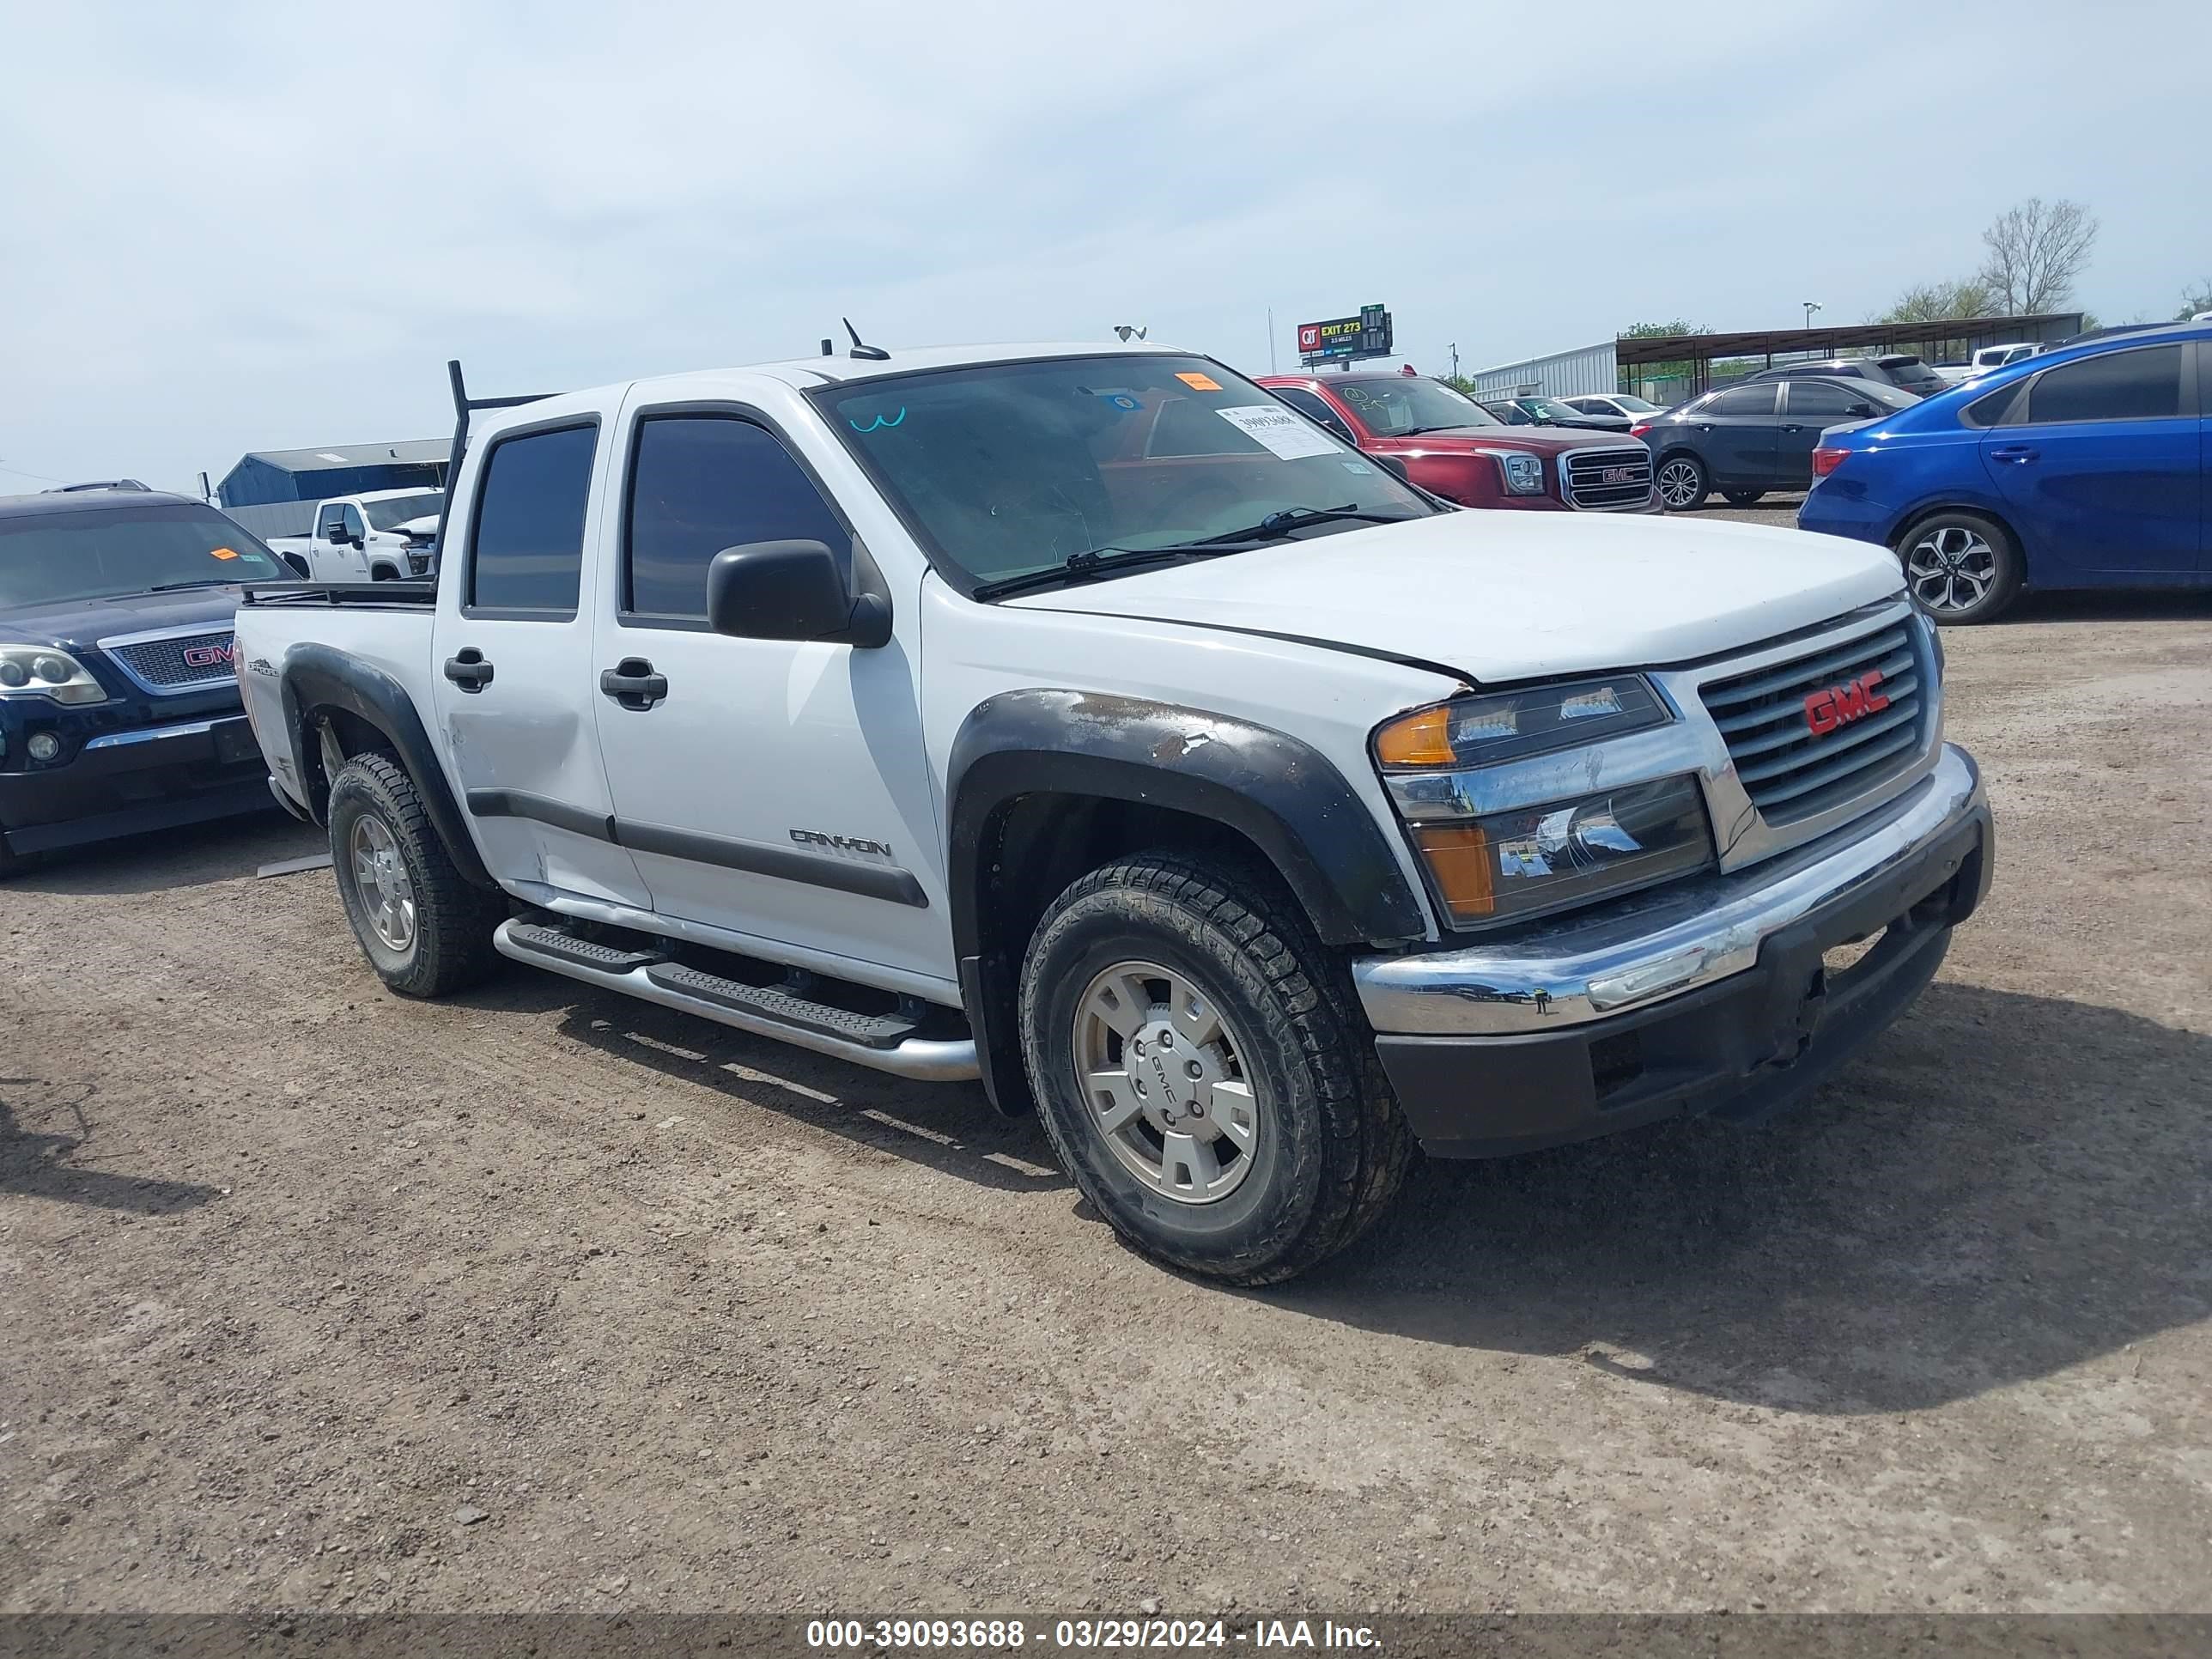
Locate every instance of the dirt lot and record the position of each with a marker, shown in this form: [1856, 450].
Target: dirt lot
[542, 1298]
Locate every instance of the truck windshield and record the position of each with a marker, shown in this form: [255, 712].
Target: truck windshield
[391, 514]
[100, 553]
[1007, 468]
[1408, 404]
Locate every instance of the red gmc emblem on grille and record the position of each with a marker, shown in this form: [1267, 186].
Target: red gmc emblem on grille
[1840, 705]
[1617, 474]
[208, 656]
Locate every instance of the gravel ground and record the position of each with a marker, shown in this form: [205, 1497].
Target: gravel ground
[541, 1298]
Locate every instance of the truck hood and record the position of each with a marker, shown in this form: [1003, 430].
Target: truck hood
[1536, 439]
[70, 624]
[1498, 597]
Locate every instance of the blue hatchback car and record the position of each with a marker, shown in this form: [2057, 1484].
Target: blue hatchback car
[2084, 467]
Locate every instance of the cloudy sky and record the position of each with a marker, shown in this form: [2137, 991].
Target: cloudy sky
[233, 226]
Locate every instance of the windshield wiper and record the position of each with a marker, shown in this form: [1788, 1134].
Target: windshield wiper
[1276, 525]
[1445, 426]
[205, 582]
[1097, 560]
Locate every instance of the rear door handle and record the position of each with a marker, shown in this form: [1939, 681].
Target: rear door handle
[633, 684]
[2020, 454]
[469, 670]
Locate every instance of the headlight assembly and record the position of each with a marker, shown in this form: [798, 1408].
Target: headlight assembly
[40, 670]
[1553, 853]
[1537, 859]
[1522, 473]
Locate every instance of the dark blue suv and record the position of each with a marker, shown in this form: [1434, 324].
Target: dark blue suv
[2084, 467]
[118, 708]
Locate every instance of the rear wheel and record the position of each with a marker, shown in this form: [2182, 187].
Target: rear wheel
[424, 926]
[1682, 482]
[1961, 567]
[1743, 497]
[1203, 1070]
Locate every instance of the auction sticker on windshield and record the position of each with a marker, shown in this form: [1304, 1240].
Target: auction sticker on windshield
[1287, 435]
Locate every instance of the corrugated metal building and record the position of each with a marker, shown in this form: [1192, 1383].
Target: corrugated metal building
[313, 475]
[1561, 374]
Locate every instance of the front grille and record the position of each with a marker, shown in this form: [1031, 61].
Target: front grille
[1607, 480]
[178, 663]
[1768, 715]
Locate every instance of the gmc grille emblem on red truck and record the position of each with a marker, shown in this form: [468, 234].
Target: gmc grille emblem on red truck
[1840, 705]
[1616, 474]
[207, 656]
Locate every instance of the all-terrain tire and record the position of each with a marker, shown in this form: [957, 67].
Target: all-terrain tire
[1332, 1147]
[447, 944]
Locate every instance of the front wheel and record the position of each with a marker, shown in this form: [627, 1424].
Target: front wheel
[1682, 482]
[1203, 1070]
[1961, 567]
[423, 926]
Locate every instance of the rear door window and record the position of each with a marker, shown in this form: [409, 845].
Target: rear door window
[527, 554]
[1816, 400]
[2142, 384]
[1743, 402]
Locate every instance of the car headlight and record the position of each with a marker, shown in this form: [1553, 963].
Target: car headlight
[1549, 854]
[1536, 859]
[1522, 473]
[40, 670]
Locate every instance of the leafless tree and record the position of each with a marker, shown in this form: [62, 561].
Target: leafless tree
[2036, 251]
[2194, 300]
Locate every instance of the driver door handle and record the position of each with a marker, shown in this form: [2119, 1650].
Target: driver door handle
[469, 670]
[633, 684]
[2019, 453]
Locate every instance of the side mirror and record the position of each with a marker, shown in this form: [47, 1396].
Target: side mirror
[1394, 466]
[791, 590]
[340, 536]
[1864, 410]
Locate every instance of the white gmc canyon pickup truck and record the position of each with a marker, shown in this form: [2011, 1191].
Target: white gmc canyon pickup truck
[1081, 719]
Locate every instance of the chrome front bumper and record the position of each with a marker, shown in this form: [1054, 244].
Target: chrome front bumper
[1664, 944]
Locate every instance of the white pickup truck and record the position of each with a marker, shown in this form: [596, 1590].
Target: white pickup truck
[383, 535]
[1247, 813]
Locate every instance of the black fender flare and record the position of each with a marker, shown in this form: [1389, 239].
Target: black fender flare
[322, 677]
[1280, 793]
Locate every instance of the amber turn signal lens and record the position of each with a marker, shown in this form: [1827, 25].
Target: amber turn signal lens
[1458, 857]
[1422, 738]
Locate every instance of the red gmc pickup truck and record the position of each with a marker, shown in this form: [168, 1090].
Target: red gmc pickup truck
[1452, 446]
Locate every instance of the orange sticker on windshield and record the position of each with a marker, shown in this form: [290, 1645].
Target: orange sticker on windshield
[1200, 382]
[221, 553]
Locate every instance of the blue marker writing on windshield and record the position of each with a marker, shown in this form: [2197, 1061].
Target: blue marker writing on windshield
[879, 421]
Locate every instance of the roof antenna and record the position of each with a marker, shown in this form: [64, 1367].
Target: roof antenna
[866, 354]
